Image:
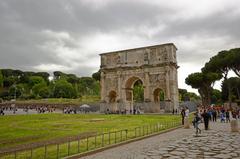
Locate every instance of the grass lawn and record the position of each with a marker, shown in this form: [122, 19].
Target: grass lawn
[24, 129]
[83, 99]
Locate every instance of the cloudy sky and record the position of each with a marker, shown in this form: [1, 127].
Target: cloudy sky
[68, 35]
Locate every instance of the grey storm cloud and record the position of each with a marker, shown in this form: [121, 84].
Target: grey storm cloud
[68, 35]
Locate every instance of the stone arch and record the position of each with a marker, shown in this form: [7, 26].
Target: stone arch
[121, 69]
[157, 93]
[129, 86]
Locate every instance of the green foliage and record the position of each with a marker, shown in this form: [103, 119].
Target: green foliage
[218, 64]
[10, 72]
[221, 63]
[203, 82]
[97, 75]
[231, 89]
[9, 81]
[44, 75]
[88, 86]
[37, 85]
[44, 92]
[34, 80]
[161, 95]
[37, 88]
[138, 92]
[16, 90]
[216, 97]
[234, 60]
[184, 95]
[64, 89]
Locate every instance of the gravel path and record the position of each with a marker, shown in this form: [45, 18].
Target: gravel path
[218, 142]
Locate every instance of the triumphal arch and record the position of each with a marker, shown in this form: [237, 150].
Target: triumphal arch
[155, 66]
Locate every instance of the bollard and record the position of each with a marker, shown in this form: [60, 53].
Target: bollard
[186, 123]
[234, 126]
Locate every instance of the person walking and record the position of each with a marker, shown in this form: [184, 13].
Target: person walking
[227, 116]
[206, 118]
[196, 122]
[183, 115]
[214, 115]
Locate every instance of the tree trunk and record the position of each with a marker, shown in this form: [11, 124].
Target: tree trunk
[238, 93]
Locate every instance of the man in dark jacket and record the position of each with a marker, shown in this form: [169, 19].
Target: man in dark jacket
[206, 118]
[183, 115]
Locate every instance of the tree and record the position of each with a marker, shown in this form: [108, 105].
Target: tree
[58, 75]
[222, 63]
[7, 72]
[97, 76]
[37, 88]
[234, 60]
[203, 82]
[44, 92]
[182, 94]
[9, 81]
[231, 89]
[138, 91]
[44, 75]
[218, 64]
[64, 89]
[16, 90]
[216, 96]
[33, 80]
[86, 86]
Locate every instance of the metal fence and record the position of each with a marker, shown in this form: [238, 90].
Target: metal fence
[91, 142]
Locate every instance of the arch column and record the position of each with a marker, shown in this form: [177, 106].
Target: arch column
[102, 83]
[146, 86]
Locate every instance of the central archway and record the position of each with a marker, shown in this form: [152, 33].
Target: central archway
[134, 92]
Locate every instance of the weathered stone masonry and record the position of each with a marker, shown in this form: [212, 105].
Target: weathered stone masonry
[156, 66]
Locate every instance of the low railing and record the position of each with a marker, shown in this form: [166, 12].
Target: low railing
[92, 142]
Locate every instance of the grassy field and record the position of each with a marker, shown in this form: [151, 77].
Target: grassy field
[83, 99]
[24, 129]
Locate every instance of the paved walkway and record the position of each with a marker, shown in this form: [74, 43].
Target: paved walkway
[218, 142]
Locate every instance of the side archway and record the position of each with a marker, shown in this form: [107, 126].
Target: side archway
[158, 95]
[112, 97]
